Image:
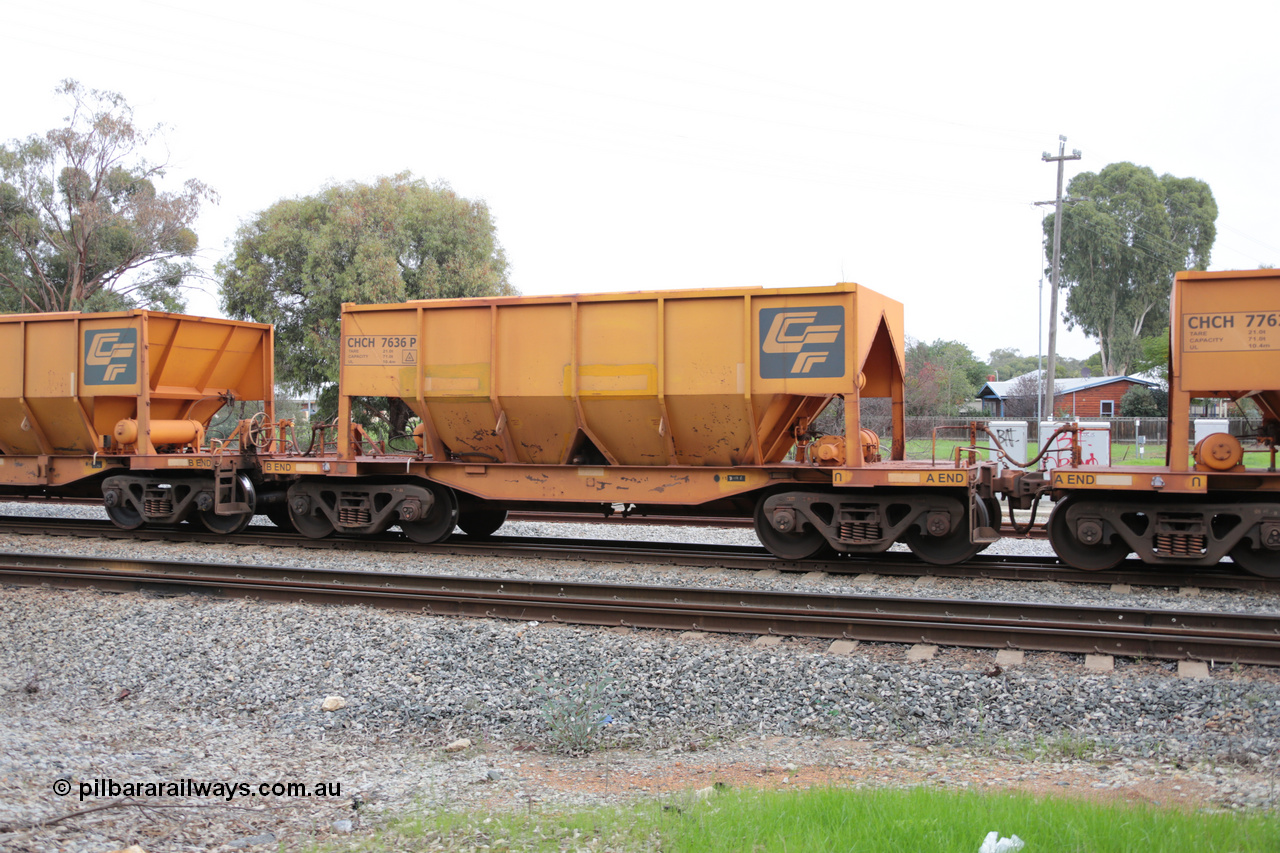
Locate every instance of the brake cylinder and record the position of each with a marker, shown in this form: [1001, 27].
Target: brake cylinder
[162, 431]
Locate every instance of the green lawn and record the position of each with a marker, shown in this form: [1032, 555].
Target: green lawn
[833, 819]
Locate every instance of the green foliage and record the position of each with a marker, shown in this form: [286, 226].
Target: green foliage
[82, 225]
[941, 377]
[1125, 233]
[1246, 408]
[327, 404]
[291, 409]
[1069, 368]
[1006, 364]
[400, 238]
[576, 715]
[1161, 398]
[1140, 402]
[1066, 745]
[1153, 354]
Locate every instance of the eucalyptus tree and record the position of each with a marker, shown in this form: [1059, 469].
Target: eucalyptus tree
[399, 238]
[1125, 232]
[83, 224]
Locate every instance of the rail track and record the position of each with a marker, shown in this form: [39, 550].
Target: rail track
[744, 557]
[1168, 634]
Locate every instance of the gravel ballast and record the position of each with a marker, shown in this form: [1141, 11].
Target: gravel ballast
[98, 686]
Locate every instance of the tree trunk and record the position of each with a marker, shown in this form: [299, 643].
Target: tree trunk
[398, 414]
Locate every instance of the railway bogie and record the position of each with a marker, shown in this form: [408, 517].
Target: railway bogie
[1098, 529]
[132, 500]
[427, 512]
[941, 527]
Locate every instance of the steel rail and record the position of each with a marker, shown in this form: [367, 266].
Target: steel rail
[744, 557]
[541, 516]
[1171, 634]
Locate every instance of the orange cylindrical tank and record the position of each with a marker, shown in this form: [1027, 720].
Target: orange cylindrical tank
[162, 432]
[1219, 452]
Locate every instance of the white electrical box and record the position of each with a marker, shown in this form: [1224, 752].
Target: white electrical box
[1012, 436]
[1208, 426]
[1095, 444]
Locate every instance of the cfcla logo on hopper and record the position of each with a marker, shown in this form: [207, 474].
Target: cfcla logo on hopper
[109, 357]
[805, 342]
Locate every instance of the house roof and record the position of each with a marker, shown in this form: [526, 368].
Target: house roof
[1000, 390]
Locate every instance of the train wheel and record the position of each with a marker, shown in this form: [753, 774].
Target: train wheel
[124, 516]
[995, 512]
[224, 524]
[794, 545]
[995, 518]
[953, 548]
[439, 520]
[1258, 561]
[1077, 554]
[228, 524]
[481, 523]
[312, 526]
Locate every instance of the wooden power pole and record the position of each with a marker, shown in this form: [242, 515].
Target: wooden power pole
[1050, 375]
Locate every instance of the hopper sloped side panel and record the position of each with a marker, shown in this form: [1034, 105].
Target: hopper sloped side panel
[195, 362]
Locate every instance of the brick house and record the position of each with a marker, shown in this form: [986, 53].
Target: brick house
[1087, 397]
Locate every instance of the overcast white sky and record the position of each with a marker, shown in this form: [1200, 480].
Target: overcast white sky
[686, 144]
